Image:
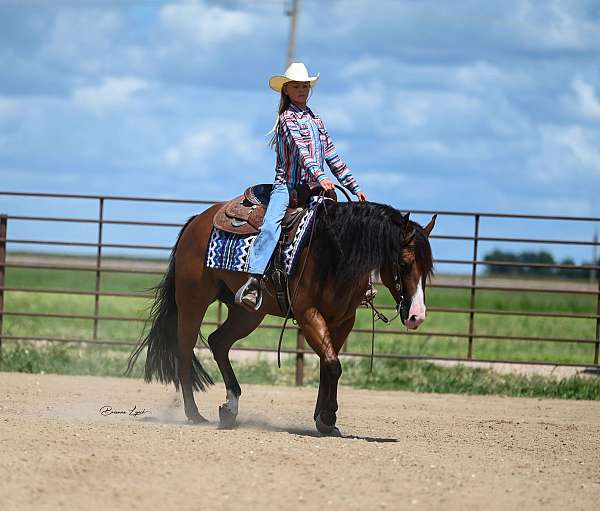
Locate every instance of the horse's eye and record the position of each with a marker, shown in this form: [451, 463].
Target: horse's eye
[404, 267]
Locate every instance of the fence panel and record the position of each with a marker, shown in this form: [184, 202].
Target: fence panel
[473, 336]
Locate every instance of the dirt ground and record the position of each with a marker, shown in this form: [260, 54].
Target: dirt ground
[400, 450]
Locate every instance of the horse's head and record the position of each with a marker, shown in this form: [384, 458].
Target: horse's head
[406, 276]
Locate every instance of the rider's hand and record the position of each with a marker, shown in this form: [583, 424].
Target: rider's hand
[361, 197]
[326, 184]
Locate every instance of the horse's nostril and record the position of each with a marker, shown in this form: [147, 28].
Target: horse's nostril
[413, 318]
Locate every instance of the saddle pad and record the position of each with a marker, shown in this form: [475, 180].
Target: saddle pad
[231, 252]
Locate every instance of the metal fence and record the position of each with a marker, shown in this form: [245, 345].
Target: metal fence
[472, 287]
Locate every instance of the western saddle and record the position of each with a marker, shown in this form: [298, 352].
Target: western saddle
[244, 215]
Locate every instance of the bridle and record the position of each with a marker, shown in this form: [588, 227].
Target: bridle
[399, 271]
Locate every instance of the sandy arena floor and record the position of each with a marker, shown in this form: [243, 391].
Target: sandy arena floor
[401, 450]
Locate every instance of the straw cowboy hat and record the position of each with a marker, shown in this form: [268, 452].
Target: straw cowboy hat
[296, 72]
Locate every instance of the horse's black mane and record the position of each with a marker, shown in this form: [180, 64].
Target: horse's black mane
[353, 239]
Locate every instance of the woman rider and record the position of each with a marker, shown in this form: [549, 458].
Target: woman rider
[302, 145]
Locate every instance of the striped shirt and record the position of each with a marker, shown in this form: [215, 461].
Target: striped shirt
[303, 145]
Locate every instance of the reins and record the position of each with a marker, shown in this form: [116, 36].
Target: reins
[380, 315]
[293, 299]
[377, 315]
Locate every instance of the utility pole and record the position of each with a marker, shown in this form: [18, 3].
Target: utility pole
[293, 14]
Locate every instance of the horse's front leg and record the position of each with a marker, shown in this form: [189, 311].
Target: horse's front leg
[320, 340]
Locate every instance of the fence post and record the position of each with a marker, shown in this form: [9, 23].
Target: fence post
[98, 265]
[3, 224]
[597, 345]
[473, 282]
[299, 358]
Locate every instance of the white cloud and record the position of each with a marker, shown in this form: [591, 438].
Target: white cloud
[362, 67]
[414, 89]
[207, 25]
[77, 32]
[577, 140]
[111, 93]
[553, 25]
[217, 147]
[565, 154]
[587, 101]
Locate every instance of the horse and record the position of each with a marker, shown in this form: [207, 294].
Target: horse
[350, 240]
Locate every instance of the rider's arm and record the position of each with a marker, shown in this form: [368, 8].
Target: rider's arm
[338, 167]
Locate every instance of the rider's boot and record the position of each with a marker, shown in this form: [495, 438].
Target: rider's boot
[250, 294]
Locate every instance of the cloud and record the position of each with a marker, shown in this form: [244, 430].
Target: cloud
[554, 25]
[218, 148]
[586, 99]
[111, 93]
[207, 25]
[566, 154]
[89, 31]
[585, 151]
[501, 106]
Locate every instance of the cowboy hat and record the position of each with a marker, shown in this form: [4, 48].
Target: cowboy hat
[296, 72]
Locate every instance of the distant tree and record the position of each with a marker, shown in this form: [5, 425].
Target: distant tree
[569, 273]
[536, 257]
[577, 272]
[522, 257]
[500, 256]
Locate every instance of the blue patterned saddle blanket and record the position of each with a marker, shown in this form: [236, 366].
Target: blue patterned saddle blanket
[231, 252]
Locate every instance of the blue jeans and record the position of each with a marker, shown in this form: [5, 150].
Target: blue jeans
[266, 241]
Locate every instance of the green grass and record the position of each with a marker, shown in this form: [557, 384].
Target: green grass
[387, 374]
[423, 345]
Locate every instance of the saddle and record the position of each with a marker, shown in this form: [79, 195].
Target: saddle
[244, 215]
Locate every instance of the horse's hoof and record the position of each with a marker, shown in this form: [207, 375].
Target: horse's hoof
[196, 419]
[325, 429]
[226, 418]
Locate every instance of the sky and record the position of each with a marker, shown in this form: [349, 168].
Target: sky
[434, 105]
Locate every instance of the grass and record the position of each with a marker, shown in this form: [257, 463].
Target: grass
[392, 374]
[400, 343]
[387, 374]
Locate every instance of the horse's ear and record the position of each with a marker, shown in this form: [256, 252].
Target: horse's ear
[400, 219]
[429, 227]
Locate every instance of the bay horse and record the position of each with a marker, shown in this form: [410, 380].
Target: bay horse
[350, 240]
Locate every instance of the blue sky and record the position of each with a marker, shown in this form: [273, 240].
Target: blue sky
[443, 105]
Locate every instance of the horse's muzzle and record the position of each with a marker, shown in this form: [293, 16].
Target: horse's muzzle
[402, 308]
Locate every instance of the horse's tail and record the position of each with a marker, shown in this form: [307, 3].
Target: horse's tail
[161, 340]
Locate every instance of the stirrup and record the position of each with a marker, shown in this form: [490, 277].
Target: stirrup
[246, 302]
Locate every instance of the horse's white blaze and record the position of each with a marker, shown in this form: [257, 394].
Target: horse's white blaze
[232, 403]
[417, 312]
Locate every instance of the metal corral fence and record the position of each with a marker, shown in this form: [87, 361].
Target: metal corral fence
[472, 287]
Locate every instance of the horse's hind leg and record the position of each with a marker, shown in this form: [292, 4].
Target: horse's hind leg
[239, 324]
[190, 315]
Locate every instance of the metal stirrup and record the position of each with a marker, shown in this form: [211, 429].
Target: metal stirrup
[242, 291]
